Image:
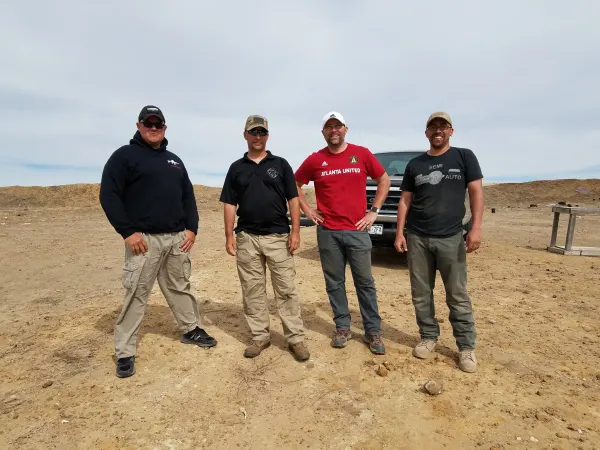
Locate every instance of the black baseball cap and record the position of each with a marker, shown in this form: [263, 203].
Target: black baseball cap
[150, 110]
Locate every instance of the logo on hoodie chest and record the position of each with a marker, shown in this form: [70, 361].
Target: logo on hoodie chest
[173, 163]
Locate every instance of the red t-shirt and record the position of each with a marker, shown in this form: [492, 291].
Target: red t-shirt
[340, 183]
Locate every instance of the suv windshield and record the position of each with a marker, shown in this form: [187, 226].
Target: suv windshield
[394, 163]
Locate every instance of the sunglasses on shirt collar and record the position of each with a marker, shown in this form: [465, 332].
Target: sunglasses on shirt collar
[150, 124]
[257, 132]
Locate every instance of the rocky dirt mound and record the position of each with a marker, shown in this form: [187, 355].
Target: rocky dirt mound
[75, 195]
[583, 192]
[79, 195]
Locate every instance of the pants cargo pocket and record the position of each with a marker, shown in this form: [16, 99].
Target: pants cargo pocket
[244, 257]
[131, 273]
[179, 266]
[186, 267]
[283, 270]
[283, 263]
[282, 257]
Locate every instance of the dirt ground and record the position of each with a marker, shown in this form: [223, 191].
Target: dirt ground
[536, 314]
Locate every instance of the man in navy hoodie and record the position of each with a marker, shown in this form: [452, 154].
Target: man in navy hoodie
[149, 200]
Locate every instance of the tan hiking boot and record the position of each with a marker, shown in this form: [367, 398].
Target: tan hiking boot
[424, 349]
[254, 349]
[467, 362]
[299, 351]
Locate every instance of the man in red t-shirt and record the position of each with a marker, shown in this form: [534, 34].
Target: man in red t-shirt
[340, 172]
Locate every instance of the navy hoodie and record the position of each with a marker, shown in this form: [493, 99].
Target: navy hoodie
[147, 190]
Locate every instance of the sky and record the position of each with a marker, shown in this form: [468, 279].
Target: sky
[520, 80]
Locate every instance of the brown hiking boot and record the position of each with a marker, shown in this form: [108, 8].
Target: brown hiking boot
[375, 344]
[254, 349]
[340, 338]
[299, 351]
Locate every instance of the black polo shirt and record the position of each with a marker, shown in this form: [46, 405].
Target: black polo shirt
[261, 192]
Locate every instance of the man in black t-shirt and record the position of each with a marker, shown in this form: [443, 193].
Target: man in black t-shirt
[432, 206]
[261, 186]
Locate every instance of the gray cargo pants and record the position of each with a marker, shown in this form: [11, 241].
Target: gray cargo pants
[165, 262]
[336, 248]
[448, 255]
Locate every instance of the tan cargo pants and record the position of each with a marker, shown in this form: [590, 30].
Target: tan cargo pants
[165, 262]
[254, 253]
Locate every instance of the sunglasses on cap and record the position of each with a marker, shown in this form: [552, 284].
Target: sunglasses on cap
[257, 132]
[150, 124]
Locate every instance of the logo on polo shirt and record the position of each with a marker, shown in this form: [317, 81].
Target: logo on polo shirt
[272, 172]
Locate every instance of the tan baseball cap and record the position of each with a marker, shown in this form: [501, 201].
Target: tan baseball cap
[256, 121]
[439, 115]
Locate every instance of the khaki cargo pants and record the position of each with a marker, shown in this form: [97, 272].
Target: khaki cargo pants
[165, 262]
[254, 253]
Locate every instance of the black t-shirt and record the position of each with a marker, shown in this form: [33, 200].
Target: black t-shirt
[438, 184]
[260, 191]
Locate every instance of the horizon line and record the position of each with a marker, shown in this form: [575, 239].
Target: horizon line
[489, 181]
[45, 168]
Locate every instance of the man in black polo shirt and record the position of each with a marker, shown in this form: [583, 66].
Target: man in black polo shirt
[432, 206]
[259, 185]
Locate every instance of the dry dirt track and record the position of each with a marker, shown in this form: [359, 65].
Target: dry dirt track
[536, 313]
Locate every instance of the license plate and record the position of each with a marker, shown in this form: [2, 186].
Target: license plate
[376, 229]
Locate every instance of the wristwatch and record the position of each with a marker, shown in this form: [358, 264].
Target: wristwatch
[375, 209]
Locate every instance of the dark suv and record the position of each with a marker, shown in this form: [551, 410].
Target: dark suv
[383, 231]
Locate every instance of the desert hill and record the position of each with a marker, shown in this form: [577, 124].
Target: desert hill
[582, 192]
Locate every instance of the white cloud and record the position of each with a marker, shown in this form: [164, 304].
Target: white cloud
[518, 79]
